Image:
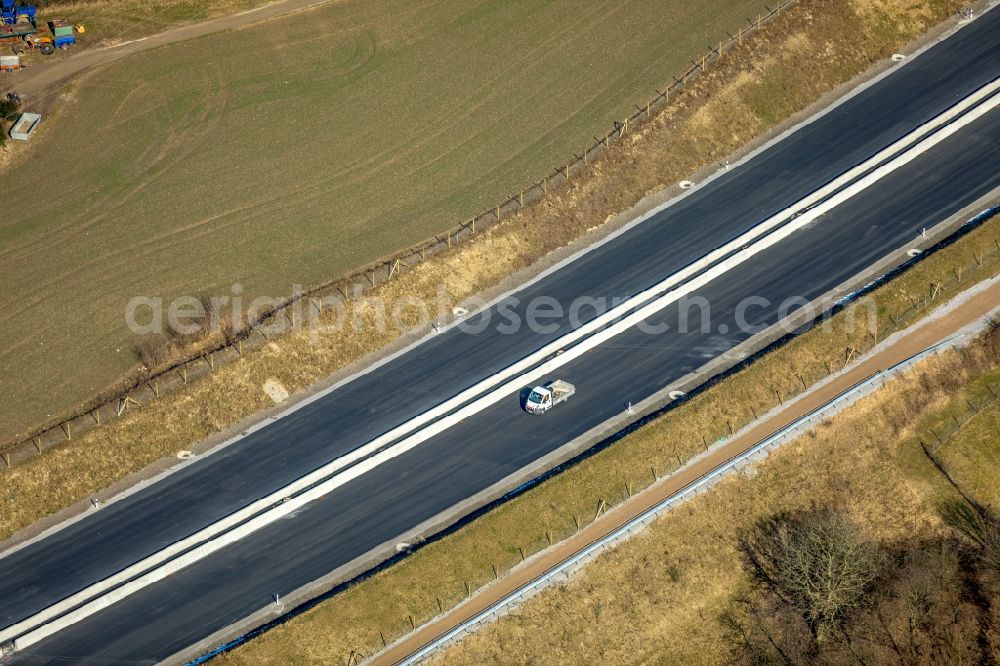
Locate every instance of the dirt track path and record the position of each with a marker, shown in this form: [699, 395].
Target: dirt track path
[924, 334]
[37, 82]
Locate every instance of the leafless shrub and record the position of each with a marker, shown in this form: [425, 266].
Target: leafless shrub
[821, 593]
[154, 350]
[814, 562]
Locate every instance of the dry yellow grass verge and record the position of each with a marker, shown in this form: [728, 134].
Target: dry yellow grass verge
[657, 597]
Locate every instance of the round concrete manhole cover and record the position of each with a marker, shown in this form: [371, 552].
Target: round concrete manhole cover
[686, 184]
[898, 57]
[676, 395]
[459, 312]
[914, 252]
[185, 455]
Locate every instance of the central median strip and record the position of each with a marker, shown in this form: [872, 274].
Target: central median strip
[245, 521]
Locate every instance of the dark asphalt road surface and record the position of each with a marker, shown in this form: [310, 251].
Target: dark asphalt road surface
[396, 496]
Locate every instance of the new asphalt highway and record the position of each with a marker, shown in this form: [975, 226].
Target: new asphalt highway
[167, 616]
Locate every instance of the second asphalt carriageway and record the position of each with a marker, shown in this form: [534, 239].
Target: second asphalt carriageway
[400, 493]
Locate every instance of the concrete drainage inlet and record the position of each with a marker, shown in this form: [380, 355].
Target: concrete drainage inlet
[275, 391]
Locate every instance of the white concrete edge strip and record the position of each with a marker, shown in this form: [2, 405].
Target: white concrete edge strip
[440, 410]
[789, 433]
[38, 626]
[821, 113]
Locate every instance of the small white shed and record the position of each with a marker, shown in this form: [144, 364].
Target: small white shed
[25, 126]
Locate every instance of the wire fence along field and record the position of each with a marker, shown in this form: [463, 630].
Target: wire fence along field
[934, 439]
[279, 319]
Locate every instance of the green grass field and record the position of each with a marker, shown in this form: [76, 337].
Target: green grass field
[296, 150]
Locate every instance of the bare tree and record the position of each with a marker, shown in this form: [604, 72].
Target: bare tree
[821, 593]
[814, 561]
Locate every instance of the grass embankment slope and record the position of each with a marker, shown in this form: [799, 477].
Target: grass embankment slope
[296, 150]
[658, 597]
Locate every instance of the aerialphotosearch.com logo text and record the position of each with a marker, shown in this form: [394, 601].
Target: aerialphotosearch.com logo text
[543, 315]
